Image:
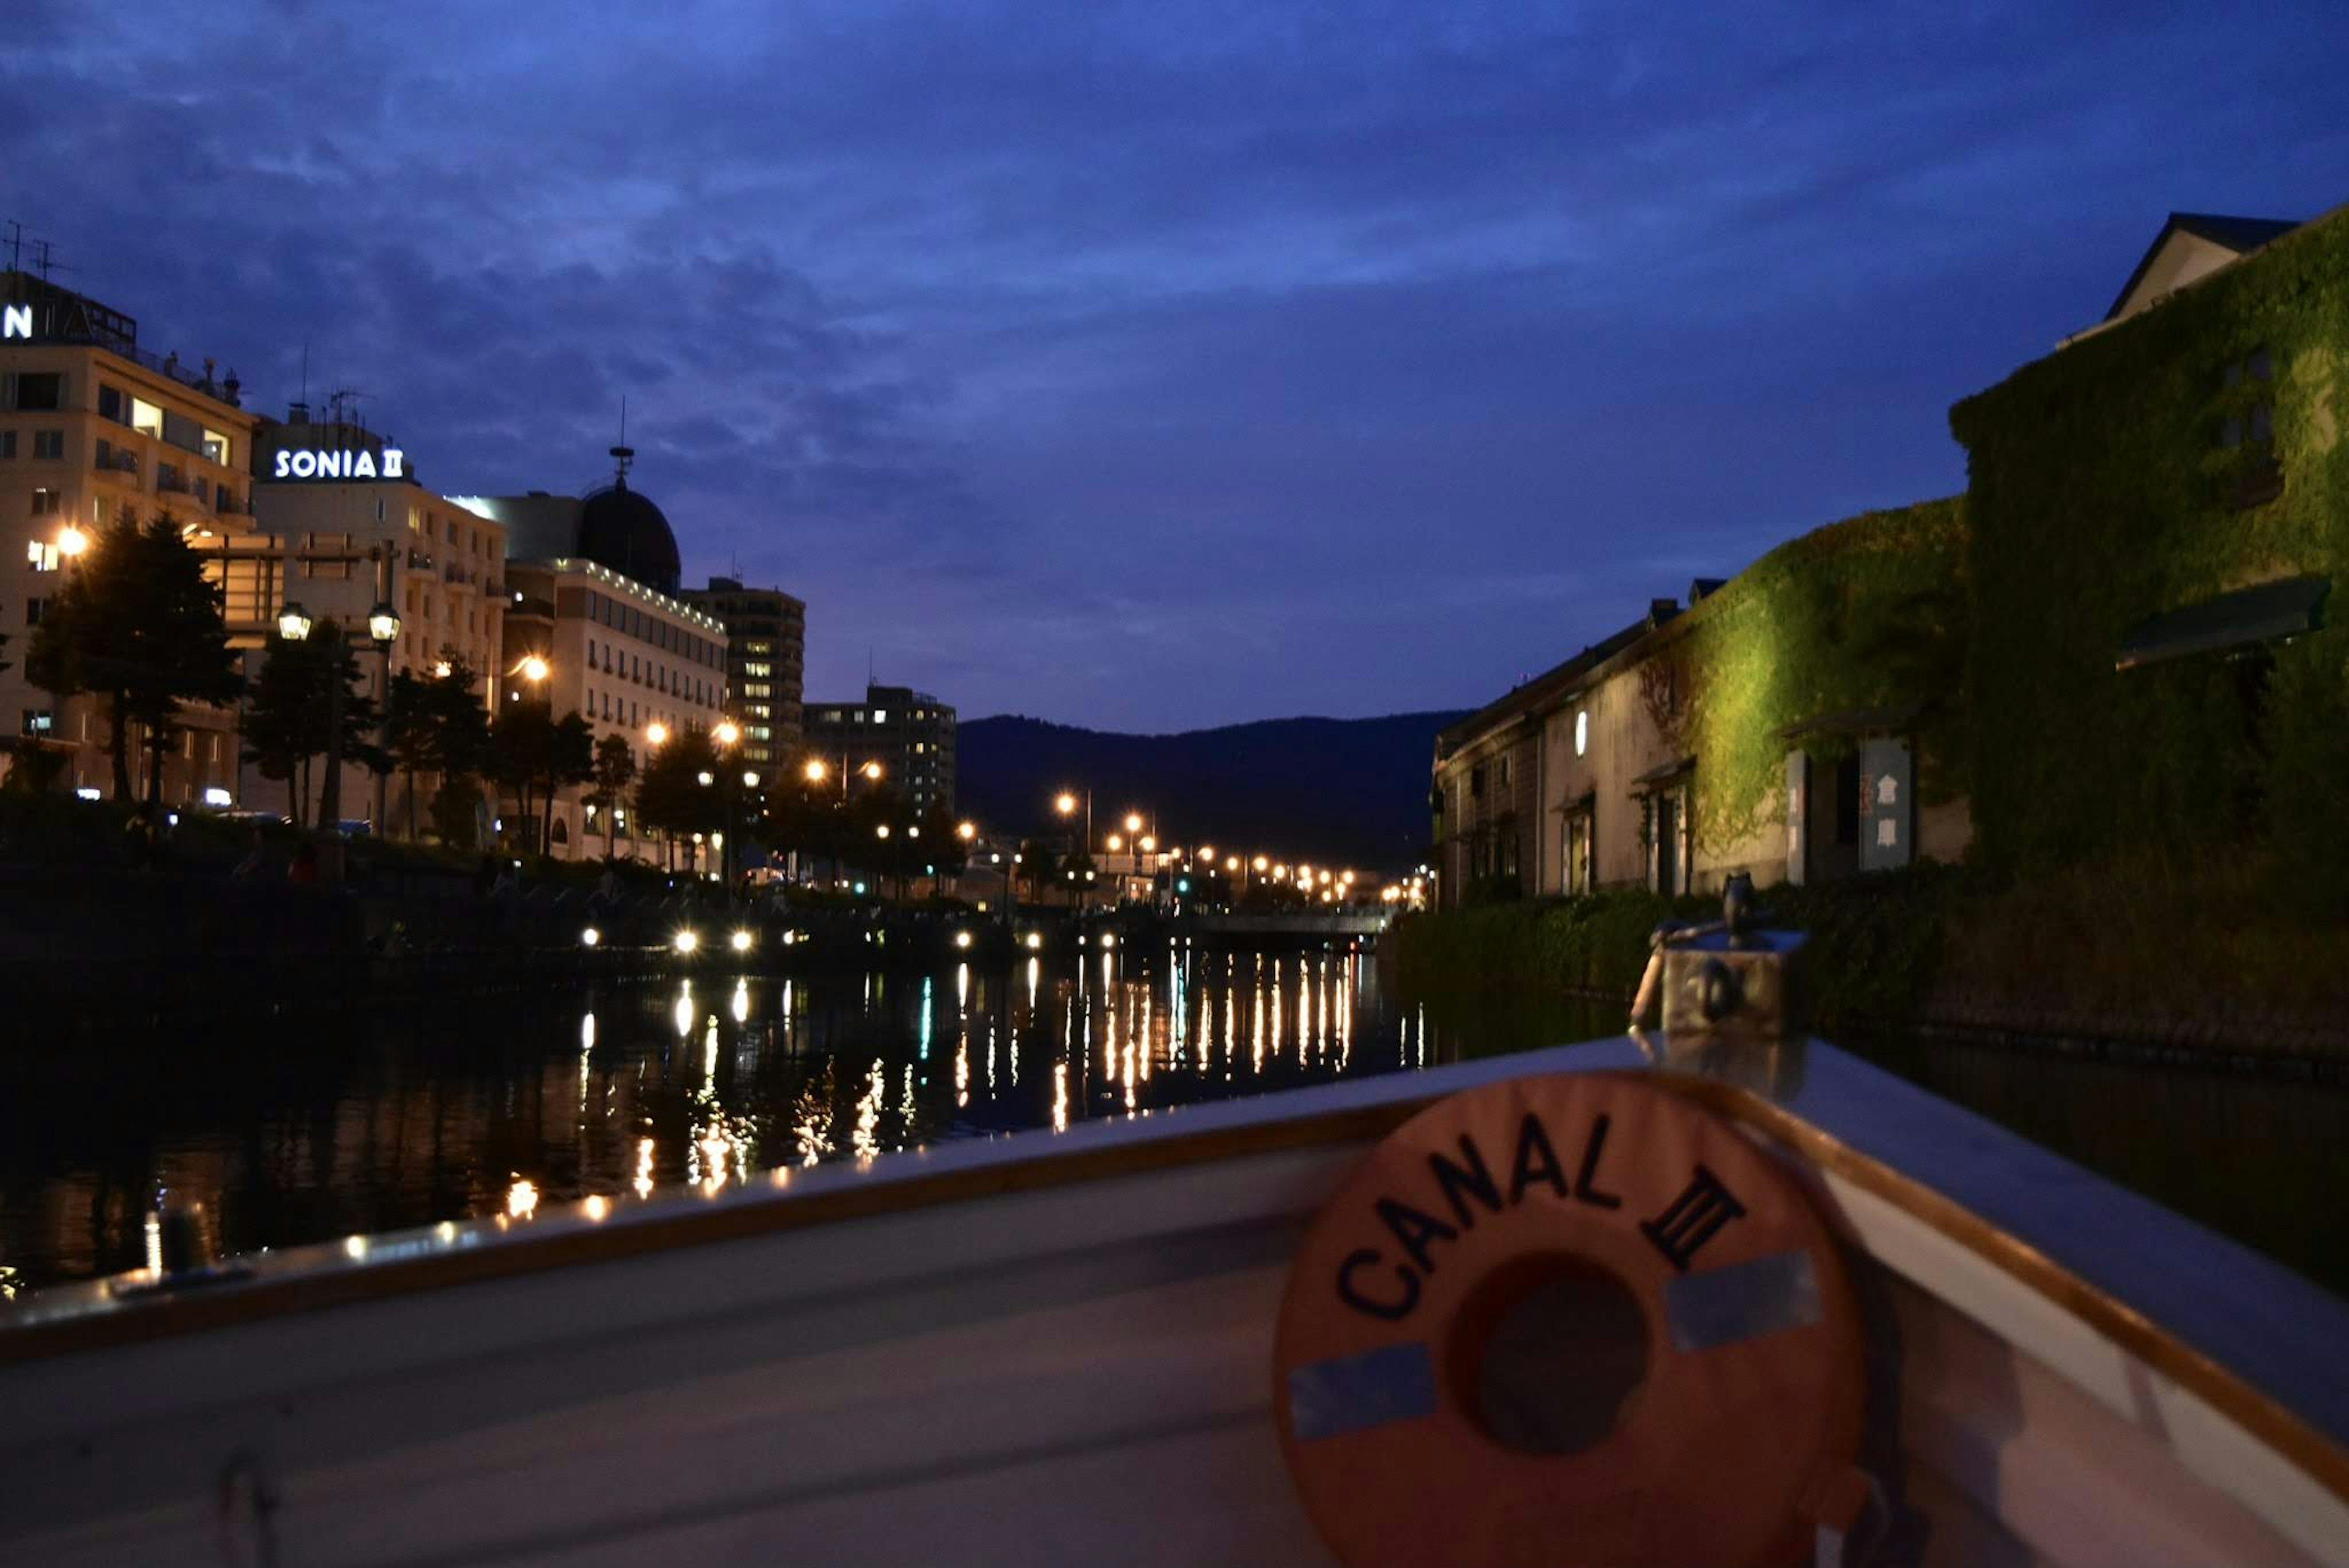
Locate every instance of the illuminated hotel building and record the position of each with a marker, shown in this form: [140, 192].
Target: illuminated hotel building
[766, 634]
[94, 429]
[910, 733]
[340, 525]
[593, 592]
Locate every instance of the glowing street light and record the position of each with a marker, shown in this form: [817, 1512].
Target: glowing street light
[1113, 843]
[882, 831]
[442, 670]
[814, 771]
[1233, 863]
[1065, 804]
[705, 778]
[1134, 822]
[966, 831]
[871, 770]
[1262, 862]
[1149, 844]
[656, 733]
[294, 623]
[740, 940]
[726, 733]
[72, 541]
[749, 779]
[534, 669]
[685, 941]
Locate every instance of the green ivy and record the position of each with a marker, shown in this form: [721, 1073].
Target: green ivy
[1862, 613]
[2101, 493]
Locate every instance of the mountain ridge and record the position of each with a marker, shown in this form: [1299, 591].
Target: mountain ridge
[1334, 791]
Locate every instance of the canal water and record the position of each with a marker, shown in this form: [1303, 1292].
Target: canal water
[301, 1132]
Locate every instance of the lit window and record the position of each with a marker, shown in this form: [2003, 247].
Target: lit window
[1581, 730]
[880, 715]
[42, 554]
[145, 417]
[216, 448]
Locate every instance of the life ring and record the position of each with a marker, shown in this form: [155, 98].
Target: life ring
[1569, 1319]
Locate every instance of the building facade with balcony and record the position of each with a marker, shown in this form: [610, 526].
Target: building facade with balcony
[910, 733]
[766, 634]
[94, 430]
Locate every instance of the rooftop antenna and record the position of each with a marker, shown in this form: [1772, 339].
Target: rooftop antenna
[45, 259]
[623, 454]
[15, 245]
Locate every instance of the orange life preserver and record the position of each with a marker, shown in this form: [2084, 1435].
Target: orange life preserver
[1569, 1319]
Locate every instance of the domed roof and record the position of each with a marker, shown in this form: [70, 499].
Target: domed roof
[621, 529]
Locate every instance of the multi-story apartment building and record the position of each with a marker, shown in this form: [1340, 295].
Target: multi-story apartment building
[94, 430]
[766, 637]
[910, 733]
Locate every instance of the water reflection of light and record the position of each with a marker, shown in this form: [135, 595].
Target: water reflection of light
[154, 1243]
[522, 1197]
[862, 1142]
[962, 991]
[929, 1011]
[683, 1012]
[709, 1050]
[587, 1029]
[643, 1184]
[962, 1069]
[596, 1207]
[1059, 1096]
[742, 1006]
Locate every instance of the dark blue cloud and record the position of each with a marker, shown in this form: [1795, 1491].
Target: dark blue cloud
[1156, 366]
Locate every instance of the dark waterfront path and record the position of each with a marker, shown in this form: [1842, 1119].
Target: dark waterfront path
[293, 1132]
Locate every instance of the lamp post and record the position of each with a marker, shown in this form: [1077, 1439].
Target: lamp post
[1065, 804]
[383, 630]
[725, 732]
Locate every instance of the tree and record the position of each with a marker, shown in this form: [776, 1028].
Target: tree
[409, 733]
[535, 755]
[616, 768]
[1039, 863]
[459, 749]
[136, 623]
[286, 722]
[670, 795]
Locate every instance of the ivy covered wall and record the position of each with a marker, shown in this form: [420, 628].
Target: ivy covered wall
[1868, 612]
[2135, 473]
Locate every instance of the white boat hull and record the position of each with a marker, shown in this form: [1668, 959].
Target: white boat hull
[1006, 1366]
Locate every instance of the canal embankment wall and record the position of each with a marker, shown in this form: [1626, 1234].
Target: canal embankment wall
[2155, 963]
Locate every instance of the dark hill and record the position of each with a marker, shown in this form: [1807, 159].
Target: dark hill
[1337, 791]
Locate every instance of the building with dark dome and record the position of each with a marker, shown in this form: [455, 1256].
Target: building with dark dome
[621, 528]
[614, 526]
[594, 624]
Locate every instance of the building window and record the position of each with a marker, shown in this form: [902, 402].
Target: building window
[1477, 782]
[1581, 731]
[42, 554]
[9, 446]
[109, 403]
[216, 450]
[145, 417]
[48, 443]
[880, 715]
[33, 609]
[46, 503]
[1505, 773]
[41, 391]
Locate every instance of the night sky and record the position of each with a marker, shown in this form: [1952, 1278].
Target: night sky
[1162, 365]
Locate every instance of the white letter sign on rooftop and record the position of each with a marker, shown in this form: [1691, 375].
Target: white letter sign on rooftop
[341, 463]
[16, 321]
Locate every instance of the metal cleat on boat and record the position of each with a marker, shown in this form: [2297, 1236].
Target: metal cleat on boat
[1732, 993]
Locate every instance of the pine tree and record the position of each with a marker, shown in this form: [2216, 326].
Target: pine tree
[137, 623]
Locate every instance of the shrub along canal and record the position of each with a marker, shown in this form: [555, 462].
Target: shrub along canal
[293, 1132]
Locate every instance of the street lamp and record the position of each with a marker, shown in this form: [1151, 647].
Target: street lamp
[726, 733]
[656, 733]
[534, 669]
[814, 771]
[294, 623]
[383, 626]
[71, 541]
